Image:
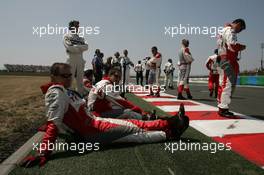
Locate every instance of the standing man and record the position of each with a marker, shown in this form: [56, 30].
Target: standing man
[147, 69]
[168, 70]
[139, 72]
[228, 50]
[213, 81]
[126, 63]
[98, 64]
[75, 46]
[184, 64]
[154, 74]
[115, 62]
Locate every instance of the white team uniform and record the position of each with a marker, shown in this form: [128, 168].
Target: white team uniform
[168, 74]
[184, 64]
[125, 62]
[228, 49]
[155, 64]
[75, 46]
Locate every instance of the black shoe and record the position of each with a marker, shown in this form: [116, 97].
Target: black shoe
[179, 123]
[216, 93]
[211, 93]
[157, 95]
[225, 113]
[151, 94]
[215, 96]
[180, 97]
[189, 96]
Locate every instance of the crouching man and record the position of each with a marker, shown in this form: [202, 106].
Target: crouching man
[66, 112]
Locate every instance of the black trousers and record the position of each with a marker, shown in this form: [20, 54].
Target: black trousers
[98, 76]
[139, 75]
[147, 76]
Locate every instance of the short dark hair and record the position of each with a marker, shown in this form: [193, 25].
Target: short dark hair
[241, 22]
[185, 42]
[112, 71]
[88, 73]
[216, 51]
[101, 54]
[154, 48]
[139, 62]
[56, 67]
[117, 53]
[170, 60]
[73, 23]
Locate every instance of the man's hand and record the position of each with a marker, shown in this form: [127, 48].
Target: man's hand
[243, 47]
[31, 161]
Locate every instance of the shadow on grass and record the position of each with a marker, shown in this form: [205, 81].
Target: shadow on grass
[113, 146]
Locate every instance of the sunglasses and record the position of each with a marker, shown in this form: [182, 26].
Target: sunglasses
[65, 75]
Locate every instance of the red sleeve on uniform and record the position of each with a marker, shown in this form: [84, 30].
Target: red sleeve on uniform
[208, 64]
[158, 55]
[50, 136]
[236, 47]
[187, 51]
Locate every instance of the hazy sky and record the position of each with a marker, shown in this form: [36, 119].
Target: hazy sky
[136, 25]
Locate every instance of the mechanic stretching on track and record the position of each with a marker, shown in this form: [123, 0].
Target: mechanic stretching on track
[228, 49]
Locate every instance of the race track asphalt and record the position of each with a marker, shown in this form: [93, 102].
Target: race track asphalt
[246, 100]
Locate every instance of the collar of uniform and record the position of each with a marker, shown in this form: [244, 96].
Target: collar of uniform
[44, 88]
[107, 78]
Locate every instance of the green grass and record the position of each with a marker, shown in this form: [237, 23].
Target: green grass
[147, 159]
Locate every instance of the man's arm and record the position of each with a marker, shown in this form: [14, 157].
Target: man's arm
[55, 105]
[73, 48]
[208, 63]
[232, 44]
[187, 55]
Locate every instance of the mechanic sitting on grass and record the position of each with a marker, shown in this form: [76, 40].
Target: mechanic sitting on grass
[106, 93]
[66, 113]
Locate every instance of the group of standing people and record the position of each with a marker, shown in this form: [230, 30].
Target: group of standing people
[101, 68]
[223, 65]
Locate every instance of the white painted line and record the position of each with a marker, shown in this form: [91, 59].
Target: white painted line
[165, 94]
[162, 99]
[161, 94]
[142, 94]
[10, 163]
[220, 128]
[170, 171]
[197, 83]
[212, 108]
[175, 108]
